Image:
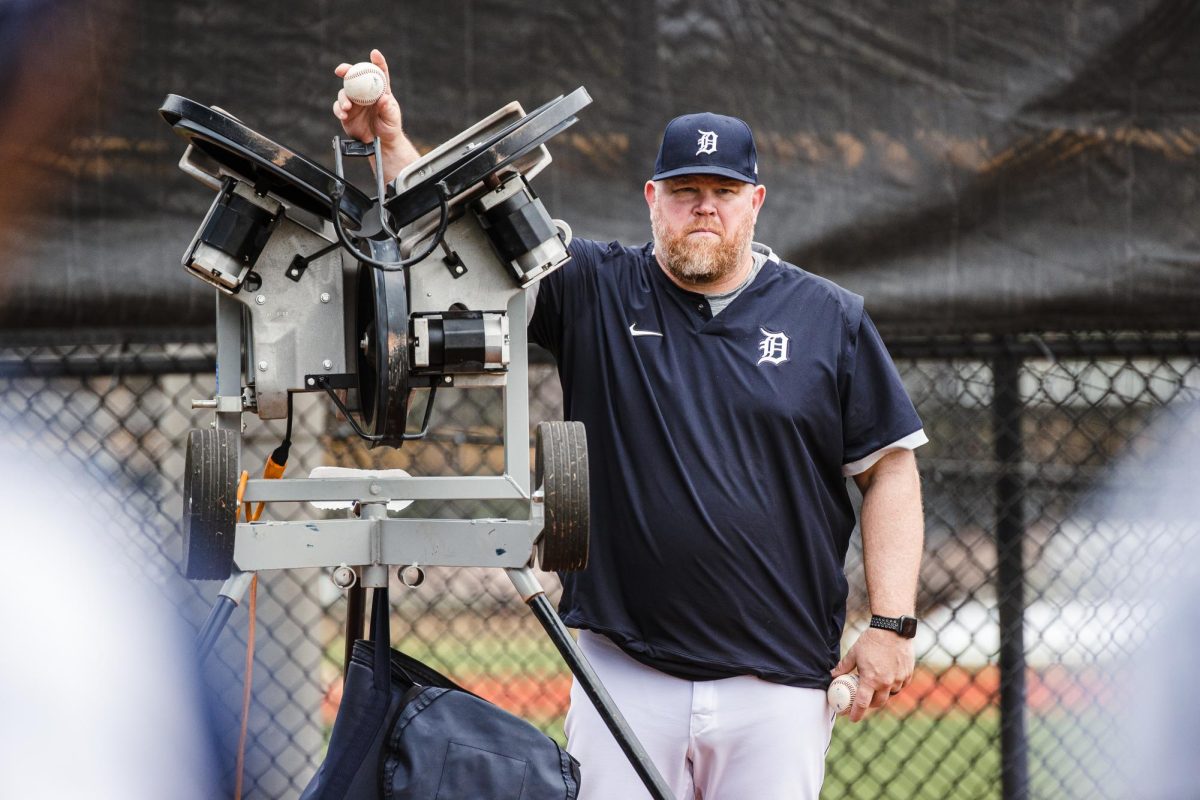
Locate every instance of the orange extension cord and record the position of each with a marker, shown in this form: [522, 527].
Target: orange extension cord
[273, 469]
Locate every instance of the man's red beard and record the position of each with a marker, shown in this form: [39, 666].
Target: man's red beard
[700, 259]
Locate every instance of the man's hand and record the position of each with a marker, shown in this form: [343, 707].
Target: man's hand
[885, 666]
[382, 120]
[892, 534]
[364, 123]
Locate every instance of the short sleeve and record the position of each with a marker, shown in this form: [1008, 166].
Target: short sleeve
[558, 291]
[877, 414]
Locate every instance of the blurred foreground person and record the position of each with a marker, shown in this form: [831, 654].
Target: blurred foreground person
[1159, 717]
[98, 685]
[97, 681]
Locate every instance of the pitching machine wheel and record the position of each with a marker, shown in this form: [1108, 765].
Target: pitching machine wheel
[209, 503]
[561, 473]
[383, 388]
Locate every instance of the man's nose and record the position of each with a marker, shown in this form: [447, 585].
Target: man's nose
[706, 204]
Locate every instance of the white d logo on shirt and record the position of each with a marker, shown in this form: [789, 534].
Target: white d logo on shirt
[774, 348]
[707, 142]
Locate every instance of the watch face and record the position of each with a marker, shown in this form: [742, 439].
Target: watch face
[908, 627]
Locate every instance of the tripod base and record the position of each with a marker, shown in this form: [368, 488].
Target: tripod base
[232, 592]
[534, 597]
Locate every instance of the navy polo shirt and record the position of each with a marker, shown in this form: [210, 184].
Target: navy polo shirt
[719, 508]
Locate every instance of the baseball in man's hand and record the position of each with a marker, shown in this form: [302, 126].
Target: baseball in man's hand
[364, 83]
[841, 692]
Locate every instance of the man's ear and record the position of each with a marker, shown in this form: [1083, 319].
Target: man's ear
[757, 199]
[650, 190]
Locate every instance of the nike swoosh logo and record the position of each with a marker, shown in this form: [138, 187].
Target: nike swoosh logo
[633, 329]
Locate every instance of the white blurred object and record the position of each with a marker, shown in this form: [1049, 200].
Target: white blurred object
[351, 472]
[98, 682]
[1161, 716]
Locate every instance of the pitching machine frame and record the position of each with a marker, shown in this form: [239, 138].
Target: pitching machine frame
[322, 288]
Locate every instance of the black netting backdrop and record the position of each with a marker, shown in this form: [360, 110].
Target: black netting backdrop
[976, 170]
[965, 166]
[1025, 432]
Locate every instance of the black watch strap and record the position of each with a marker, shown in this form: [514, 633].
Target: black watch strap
[904, 627]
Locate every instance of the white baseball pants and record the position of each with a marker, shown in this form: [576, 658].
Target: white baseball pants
[729, 739]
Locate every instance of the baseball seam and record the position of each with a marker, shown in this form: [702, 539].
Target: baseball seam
[358, 72]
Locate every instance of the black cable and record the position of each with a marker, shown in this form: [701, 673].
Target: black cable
[323, 383]
[279, 456]
[304, 261]
[391, 266]
[287, 436]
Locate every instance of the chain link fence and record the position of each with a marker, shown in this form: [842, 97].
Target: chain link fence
[1030, 594]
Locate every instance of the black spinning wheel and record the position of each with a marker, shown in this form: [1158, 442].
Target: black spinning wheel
[382, 353]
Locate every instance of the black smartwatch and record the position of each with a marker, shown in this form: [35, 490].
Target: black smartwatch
[904, 627]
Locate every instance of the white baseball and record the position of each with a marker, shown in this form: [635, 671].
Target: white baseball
[364, 83]
[841, 692]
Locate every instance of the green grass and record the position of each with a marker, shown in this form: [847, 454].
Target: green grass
[914, 758]
[921, 756]
[924, 757]
[917, 757]
[470, 646]
[492, 655]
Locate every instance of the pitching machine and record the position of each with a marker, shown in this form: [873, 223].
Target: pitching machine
[371, 301]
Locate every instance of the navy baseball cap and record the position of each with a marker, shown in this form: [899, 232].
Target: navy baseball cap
[707, 144]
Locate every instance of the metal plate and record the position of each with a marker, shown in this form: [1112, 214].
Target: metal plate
[262, 163]
[294, 332]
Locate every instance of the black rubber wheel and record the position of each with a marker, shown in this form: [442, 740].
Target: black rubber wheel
[383, 366]
[210, 478]
[561, 473]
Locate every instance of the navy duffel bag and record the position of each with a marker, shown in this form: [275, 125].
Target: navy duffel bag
[406, 732]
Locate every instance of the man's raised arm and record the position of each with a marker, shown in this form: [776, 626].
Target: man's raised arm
[381, 119]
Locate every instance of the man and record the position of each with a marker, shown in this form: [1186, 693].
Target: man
[727, 396]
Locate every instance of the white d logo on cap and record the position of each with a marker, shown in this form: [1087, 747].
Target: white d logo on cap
[707, 142]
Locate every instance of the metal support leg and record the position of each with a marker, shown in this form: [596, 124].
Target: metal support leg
[355, 614]
[232, 592]
[535, 597]
[229, 384]
[229, 364]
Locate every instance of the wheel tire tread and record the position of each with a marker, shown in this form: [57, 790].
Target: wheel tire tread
[562, 471]
[210, 504]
